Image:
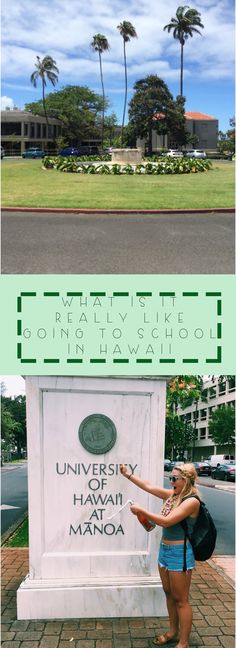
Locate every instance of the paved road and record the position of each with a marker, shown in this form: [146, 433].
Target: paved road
[14, 493]
[221, 504]
[117, 244]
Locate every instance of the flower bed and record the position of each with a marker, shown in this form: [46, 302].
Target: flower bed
[161, 166]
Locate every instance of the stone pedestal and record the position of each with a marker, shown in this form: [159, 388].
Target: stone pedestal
[126, 156]
[81, 563]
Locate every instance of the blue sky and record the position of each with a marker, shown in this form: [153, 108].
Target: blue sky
[64, 30]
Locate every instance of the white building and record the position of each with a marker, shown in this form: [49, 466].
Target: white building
[217, 393]
[203, 127]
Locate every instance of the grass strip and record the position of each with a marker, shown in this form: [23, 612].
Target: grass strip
[26, 184]
[20, 537]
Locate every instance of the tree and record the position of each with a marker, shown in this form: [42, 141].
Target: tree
[151, 100]
[222, 427]
[100, 44]
[127, 31]
[184, 25]
[110, 123]
[78, 108]
[182, 392]
[45, 69]
[226, 144]
[178, 436]
[14, 422]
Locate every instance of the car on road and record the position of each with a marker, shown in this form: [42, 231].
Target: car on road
[2, 152]
[33, 153]
[195, 153]
[202, 467]
[78, 150]
[173, 153]
[69, 150]
[167, 464]
[226, 472]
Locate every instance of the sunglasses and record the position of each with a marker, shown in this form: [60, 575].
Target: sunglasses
[174, 479]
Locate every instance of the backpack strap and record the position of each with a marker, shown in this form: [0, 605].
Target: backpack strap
[185, 528]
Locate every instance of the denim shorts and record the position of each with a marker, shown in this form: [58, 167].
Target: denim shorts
[171, 556]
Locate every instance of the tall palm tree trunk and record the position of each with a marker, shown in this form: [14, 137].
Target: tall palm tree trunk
[126, 89]
[181, 68]
[44, 104]
[103, 96]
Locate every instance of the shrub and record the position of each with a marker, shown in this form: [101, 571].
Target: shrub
[161, 166]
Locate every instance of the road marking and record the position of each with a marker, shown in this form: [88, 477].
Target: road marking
[5, 507]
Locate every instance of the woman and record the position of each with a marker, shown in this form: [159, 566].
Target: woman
[175, 581]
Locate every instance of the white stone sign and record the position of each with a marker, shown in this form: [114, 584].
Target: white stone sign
[82, 563]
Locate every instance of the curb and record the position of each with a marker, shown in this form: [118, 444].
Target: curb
[222, 572]
[70, 210]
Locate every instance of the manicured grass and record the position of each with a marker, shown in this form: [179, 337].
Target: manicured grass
[26, 184]
[20, 538]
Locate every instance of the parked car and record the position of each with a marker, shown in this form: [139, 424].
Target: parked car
[174, 153]
[202, 467]
[2, 152]
[195, 153]
[33, 153]
[226, 472]
[167, 464]
[69, 150]
[215, 460]
[78, 150]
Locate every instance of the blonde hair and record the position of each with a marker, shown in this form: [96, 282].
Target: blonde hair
[189, 473]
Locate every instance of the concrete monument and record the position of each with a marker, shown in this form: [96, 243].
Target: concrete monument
[82, 563]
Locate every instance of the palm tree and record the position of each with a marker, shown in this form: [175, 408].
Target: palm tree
[100, 44]
[127, 31]
[184, 25]
[45, 69]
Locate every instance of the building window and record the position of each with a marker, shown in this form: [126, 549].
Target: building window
[202, 433]
[204, 395]
[188, 417]
[44, 130]
[11, 128]
[231, 383]
[195, 416]
[210, 410]
[39, 130]
[212, 392]
[222, 388]
[26, 130]
[203, 414]
[31, 130]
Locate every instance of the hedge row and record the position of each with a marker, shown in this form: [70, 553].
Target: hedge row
[164, 166]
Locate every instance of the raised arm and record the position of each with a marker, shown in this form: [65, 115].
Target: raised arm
[187, 508]
[146, 485]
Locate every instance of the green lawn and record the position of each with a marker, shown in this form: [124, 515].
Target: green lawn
[26, 184]
[20, 538]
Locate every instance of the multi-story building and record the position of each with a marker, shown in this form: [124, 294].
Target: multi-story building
[217, 392]
[203, 127]
[22, 130]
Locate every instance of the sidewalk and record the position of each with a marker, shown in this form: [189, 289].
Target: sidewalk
[212, 598]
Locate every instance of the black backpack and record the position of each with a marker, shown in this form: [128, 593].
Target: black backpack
[203, 535]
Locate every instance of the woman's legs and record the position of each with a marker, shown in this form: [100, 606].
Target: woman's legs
[179, 586]
[170, 602]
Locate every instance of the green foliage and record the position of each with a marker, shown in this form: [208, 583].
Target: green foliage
[178, 436]
[13, 423]
[152, 99]
[222, 426]
[162, 166]
[77, 107]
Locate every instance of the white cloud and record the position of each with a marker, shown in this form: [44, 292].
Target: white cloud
[65, 30]
[7, 102]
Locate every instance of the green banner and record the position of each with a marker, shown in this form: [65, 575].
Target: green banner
[117, 324]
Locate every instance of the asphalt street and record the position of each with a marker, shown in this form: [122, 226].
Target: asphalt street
[64, 243]
[14, 494]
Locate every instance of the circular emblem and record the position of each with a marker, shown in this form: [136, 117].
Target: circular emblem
[97, 434]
